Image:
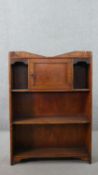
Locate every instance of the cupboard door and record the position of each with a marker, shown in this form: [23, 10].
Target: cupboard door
[50, 74]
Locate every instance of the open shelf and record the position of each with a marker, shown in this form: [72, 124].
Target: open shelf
[32, 107]
[52, 120]
[75, 152]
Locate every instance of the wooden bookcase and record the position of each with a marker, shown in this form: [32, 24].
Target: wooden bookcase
[50, 105]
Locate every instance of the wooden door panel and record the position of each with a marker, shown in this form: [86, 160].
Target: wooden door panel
[50, 75]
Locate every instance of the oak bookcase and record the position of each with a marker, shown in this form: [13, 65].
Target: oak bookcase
[50, 106]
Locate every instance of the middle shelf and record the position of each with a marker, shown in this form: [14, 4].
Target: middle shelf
[52, 120]
[50, 90]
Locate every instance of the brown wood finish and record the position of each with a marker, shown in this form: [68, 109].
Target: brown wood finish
[50, 105]
[50, 74]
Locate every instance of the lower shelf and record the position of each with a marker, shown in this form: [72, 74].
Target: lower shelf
[76, 152]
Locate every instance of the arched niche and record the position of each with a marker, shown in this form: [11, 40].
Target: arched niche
[19, 75]
[81, 70]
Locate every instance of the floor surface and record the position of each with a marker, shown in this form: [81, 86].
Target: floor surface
[47, 167]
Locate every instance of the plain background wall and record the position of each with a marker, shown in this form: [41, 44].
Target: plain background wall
[47, 27]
